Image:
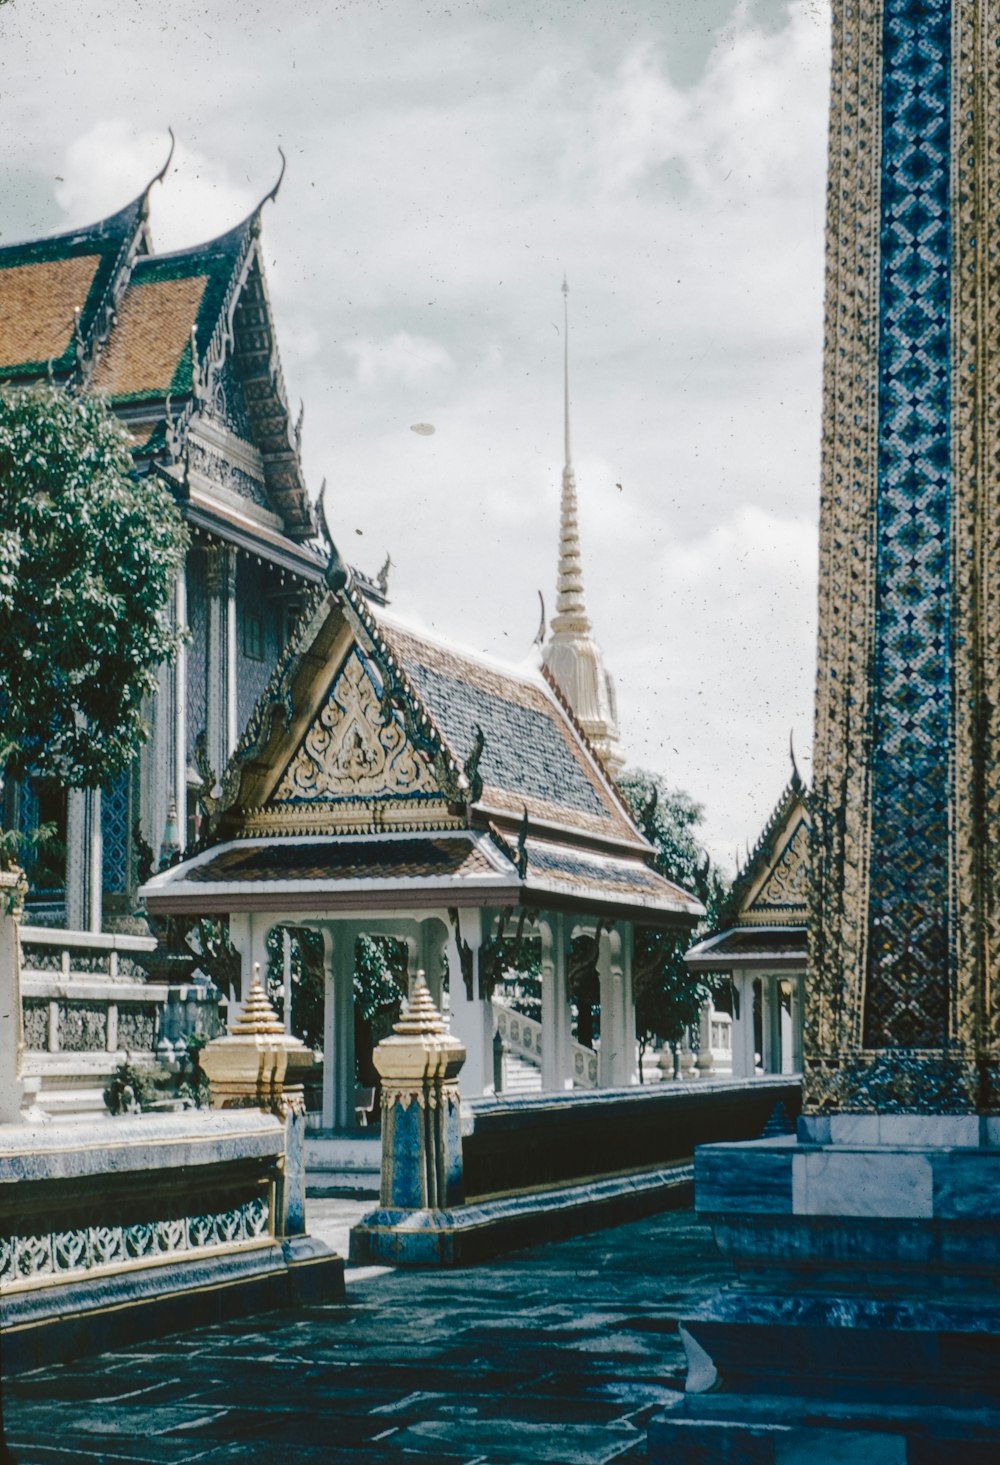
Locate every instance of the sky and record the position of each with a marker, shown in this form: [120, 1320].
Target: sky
[447, 163]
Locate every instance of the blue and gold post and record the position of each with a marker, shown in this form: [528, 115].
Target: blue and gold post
[865, 1322]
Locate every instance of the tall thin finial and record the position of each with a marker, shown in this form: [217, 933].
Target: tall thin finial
[571, 610]
[565, 291]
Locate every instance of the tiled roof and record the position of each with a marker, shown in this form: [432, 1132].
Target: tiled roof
[148, 355]
[44, 282]
[582, 870]
[762, 946]
[532, 757]
[144, 355]
[396, 859]
[38, 305]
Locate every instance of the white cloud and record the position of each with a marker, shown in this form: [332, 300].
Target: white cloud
[400, 358]
[112, 161]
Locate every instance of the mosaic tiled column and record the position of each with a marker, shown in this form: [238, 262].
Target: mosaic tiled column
[864, 1322]
[904, 928]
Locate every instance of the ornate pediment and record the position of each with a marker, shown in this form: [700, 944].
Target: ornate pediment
[353, 750]
[784, 889]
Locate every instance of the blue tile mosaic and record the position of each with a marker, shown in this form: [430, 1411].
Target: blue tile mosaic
[906, 1003]
[115, 827]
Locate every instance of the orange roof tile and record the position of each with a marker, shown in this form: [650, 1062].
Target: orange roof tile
[154, 325]
[37, 304]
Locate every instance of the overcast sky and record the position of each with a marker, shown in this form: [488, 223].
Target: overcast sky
[446, 164]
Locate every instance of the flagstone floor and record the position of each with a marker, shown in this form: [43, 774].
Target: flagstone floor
[558, 1355]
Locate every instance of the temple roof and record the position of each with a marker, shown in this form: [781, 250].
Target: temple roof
[773, 885]
[763, 925]
[54, 292]
[183, 345]
[387, 766]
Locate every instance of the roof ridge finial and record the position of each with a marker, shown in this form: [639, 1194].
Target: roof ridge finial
[571, 610]
[565, 291]
[159, 177]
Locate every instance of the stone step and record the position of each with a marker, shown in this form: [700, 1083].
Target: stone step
[520, 1077]
[343, 1164]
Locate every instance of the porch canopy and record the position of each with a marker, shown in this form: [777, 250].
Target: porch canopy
[389, 783]
[762, 941]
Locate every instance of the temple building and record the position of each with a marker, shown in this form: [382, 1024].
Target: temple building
[571, 655]
[183, 345]
[761, 942]
[391, 784]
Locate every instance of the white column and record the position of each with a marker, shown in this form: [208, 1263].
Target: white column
[11, 1032]
[220, 687]
[338, 1026]
[630, 1043]
[706, 1062]
[430, 949]
[180, 708]
[770, 1024]
[743, 1044]
[471, 1017]
[797, 980]
[83, 859]
[557, 1017]
[612, 1058]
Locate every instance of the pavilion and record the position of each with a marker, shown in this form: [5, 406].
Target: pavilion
[389, 783]
[761, 941]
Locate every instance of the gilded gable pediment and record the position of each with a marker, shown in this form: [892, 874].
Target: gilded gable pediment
[355, 768]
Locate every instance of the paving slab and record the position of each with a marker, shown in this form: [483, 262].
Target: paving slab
[561, 1355]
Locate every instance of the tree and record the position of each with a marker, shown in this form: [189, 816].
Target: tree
[88, 556]
[668, 996]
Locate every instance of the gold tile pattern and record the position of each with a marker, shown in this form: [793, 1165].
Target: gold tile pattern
[37, 305]
[154, 326]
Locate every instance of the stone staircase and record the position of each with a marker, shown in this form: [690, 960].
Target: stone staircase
[520, 1076]
[522, 1039]
[343, 1164]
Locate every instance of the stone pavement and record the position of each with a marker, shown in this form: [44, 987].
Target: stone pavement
[558, 1355]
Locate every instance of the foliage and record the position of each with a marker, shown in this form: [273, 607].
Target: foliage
[217, 956]
[668, 996]
[88, 557]
[128, 1090]
[308, 985]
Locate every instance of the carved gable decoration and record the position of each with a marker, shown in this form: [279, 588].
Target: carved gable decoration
[355, 756]
[784, 889]
[351, 752]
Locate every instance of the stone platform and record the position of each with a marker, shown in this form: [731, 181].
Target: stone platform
[125, 1228]
[558, 1356]
[865, 1321]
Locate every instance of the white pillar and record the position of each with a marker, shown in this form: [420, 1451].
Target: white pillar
[612, 1059]
[11, 1032]
[770, 1024]
[471, 1017]
[630, 1043]
[557, 1016]
[743, 1044]
[83, 859]
[706, 1061]
[797, 981]
[220, 685]
[430, 949]
[338, 1026]
[180, 708]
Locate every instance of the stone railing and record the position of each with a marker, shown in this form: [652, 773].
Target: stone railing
[523, 1037]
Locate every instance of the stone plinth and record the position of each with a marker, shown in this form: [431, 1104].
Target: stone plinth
[866, 1317]
[421, 1130]
[247, 1067]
